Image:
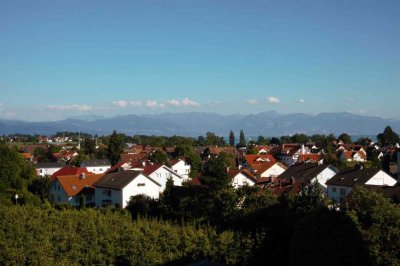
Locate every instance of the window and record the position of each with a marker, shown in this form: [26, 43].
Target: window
[334, 189]
[342, 192]
[107, 192]
[141, 184]
[158, 175]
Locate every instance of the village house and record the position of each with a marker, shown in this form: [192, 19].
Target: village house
[340, 185]
[97, 166]
[290, 153]
[115, 189]
[68, 170]
[241, 178]
[308, 173]
[70, 188]
[181, 168]
[43, 169]
[161, 173]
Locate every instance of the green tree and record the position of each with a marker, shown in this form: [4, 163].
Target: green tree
[159, 157]
[379, 223]
[345, 138]
[242, 139]
[115, 147]
[364, 141]
[388, 137]
[275, 141]
[41, 154]
[89, 145]
[40, 186]
[231, 139]
[262, 141]
[311, 196]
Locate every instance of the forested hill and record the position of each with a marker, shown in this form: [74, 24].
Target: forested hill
[195, 124]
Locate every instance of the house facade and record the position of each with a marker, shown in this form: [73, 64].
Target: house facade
[344, 182]
[70, 188]
[181, 168]
[116, 189]
[97, 166]
[161, 173]
[43, 169]
[241, 178]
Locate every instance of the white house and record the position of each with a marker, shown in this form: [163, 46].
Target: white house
[271, 170]
[70, 188]
[161, 173]
[310, 172]
[289, 154]
[97, 166]
[181, 168]
[43, 169]
[241, 178]
[343, 182]
[116, 189]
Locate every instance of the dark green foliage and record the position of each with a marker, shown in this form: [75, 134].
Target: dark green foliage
[388, 137]
[310, 197]
[345, 138]
[161, 141]
[326, 237]
[210, 140]
[115, 147]
[275, 141]
[141, 205]
[231, 138]
[364, 141]
[79, 159]
[89, 146]
[159, 157]
[15, 172]
[33, 236]
[242, 139]
[262, 141]
[40, 186]
[379, 223]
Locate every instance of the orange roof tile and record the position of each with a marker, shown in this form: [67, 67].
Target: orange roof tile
[73, 184]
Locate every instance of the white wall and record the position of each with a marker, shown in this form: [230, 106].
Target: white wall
[324, 176]
[99, 169]
[136, 187]
[381, 178]
[46, 171]
[182, 169]
[161, 176]
[241, 180]
[273, 171]
[121, 197]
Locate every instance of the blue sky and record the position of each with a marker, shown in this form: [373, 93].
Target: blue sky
[69, 58]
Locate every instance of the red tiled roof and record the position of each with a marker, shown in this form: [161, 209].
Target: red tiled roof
[259, 159]
[149, 169]
[312, 156]
[69, 170]
[73, 184]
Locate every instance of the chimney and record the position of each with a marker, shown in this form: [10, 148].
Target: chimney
[83, 176]
[303, 150]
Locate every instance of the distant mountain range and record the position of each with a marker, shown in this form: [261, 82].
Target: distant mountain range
[196, 124]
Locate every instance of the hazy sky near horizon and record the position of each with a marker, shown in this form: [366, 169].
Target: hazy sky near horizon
[70, 58]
